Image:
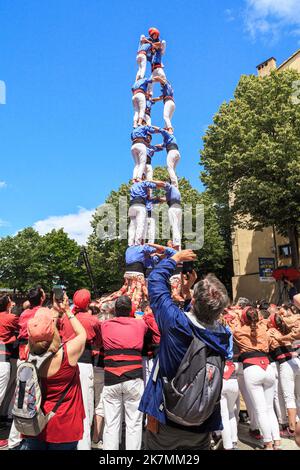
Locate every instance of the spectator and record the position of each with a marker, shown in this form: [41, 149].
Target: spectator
[91, 324]
[9, 325]
[177, 331]
[65, 428]
[123, 376]
[36, 298]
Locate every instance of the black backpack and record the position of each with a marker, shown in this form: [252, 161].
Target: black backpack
[192, 395]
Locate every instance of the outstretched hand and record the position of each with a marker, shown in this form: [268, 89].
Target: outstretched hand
[184, 255]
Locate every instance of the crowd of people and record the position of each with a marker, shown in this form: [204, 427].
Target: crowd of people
[104, 356]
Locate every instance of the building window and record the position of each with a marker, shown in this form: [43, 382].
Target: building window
[285, 251]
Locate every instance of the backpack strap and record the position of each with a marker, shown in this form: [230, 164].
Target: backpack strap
[63, 395]
[39, 361]
[156, 370]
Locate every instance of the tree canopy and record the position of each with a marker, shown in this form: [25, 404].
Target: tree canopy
[28, 259]
[252, 155]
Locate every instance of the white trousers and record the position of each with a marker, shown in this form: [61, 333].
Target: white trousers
[169, 109]
[4, 378]
[229, 396]
[247, 398]
[172, 161]
[139, 106]
[87, 388]
[156, 73]
[139, 154]
[175, 219]
[289, 374]
[149, 172]
[136, 230]
[115, 397]
[14, 438]
[148, 119]
[279, 404]
[98, 387]
[150, 228]
[260, 384]
[147, 369]
[142, 64]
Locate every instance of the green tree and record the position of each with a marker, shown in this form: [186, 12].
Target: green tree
[19, 265]
[252, 152]
[28, 259]
[58, 260]
[107, 256]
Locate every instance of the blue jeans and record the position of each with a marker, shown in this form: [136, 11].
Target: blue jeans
[35, 444]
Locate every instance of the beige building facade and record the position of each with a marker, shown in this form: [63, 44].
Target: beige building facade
[249, 246]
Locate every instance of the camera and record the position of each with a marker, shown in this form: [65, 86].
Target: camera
[58, 293]
[187, 267]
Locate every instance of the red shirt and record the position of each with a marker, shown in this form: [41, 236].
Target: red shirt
[67, 424]
[123, 333]
[91, 325]
[123, 339]
[9, 326]
[149, 319]
[23, 320]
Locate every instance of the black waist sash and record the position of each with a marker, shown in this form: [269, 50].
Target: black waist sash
[172, 147]
[135, 267]
[173, 201]
[137, 200]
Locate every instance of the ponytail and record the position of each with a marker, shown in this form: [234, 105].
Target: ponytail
[280, 325]
[250, 317]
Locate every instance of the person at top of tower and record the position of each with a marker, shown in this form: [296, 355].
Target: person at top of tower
[173, 155]
[154, 55]
[169, 104]
[144, 53]
[141, 137]
[154, 40]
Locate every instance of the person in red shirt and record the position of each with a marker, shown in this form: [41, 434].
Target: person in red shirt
[9, 325]
[91, 324]
[36, 298]
[58, 374]
[123, 338]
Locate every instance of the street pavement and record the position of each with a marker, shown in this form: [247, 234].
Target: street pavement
[246, 442]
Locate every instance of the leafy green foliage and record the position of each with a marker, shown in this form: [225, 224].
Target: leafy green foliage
[28, 259]
[252, 151]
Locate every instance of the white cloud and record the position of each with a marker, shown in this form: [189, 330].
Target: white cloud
[229, 14]
[270, 18]
[2, 184]
[77, 226]
[4, 223]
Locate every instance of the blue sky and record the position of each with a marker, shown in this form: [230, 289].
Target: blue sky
[68, 66]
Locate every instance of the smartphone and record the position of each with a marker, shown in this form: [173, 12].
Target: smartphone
[58, 293]
[187, 267]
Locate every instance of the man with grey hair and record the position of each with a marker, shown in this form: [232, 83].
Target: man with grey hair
[178, 329]
[243, 302]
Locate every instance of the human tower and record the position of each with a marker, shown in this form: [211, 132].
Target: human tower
[142, 253]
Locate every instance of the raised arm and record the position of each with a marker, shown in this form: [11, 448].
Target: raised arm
[159, 184]
[159, 248]
[165, 311]
[75, 346]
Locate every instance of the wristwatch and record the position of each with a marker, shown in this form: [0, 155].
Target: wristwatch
[71, 316]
